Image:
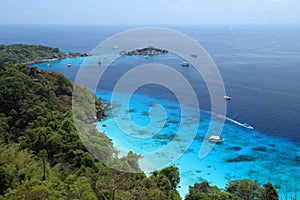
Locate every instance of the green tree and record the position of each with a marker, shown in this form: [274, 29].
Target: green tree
[204, 191]
[37, 190]
[42, 155]
[80, 188]
[269, 192]
[172, 173]
[111, 181]
[7, 180]
[244, 189]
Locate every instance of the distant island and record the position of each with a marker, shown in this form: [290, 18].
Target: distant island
[145, 51]
[31, 54]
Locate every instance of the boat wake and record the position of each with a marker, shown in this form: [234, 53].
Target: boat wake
[245, 125]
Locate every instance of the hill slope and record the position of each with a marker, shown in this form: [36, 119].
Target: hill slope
[21, 53]
[42, 156]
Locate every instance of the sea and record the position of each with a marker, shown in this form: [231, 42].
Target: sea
[260, 68]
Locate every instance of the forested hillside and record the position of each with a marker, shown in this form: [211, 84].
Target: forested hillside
[42, 156]
[22, 53]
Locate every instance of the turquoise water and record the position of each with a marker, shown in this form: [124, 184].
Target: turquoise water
[269, 159]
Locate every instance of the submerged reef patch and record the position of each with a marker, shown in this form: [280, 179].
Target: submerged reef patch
[262, 149]
[235, 148]
[242, 158]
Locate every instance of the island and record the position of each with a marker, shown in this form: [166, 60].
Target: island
[144, 51]
[31, 54]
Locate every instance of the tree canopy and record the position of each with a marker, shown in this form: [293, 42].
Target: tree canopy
[22, 53]
[42, 156]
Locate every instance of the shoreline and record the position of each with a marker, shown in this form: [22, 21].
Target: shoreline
[43, 60]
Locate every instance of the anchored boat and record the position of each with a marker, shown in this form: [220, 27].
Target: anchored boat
[227, 97]
[185, 64]
[216, 139]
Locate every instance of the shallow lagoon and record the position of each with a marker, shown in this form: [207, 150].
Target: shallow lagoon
[245, 154]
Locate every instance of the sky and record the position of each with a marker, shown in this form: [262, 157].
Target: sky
[150, 12]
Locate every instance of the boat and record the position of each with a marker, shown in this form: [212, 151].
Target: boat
[185, 64]
[194, 55]
[245, 125]
[99, 62]
[248, 126]
[227, 97]
[216, 139]
[69, 65]
[49, 65]
[147, 56]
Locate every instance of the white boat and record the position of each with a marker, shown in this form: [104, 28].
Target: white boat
[69, 65]
[245, 125]
[185, 64]
[248, 126]
[216, 139]
[227, 97]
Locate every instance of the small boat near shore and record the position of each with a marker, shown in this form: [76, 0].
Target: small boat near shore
[216, 139]
[227, 97]
[185, 64]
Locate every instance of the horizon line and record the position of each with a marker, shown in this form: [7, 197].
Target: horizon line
[150, 24]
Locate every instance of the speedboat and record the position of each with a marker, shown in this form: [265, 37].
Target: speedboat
[69, 65]
[216, 139]
[185, 64]
[227, 97]
[248, 126]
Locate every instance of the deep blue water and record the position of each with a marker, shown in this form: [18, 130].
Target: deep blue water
[260, 67]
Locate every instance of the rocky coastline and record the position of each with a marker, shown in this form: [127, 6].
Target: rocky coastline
[59, 57]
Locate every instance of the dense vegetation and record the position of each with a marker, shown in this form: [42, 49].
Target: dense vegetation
[242, 189]
[21, 53]
[42, 157]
